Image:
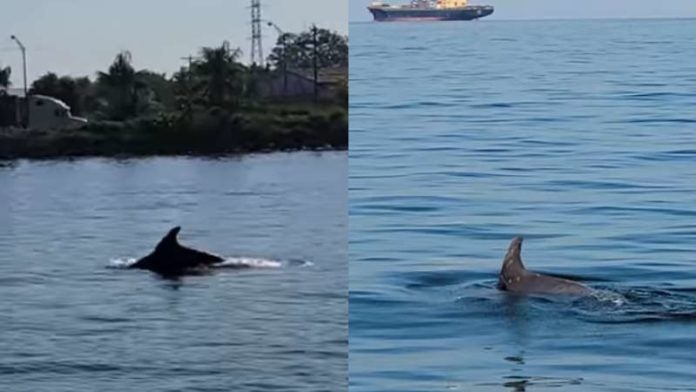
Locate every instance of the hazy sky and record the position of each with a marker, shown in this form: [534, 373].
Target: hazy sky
[564, 9]
[79, 37]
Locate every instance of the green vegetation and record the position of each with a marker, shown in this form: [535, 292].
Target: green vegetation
[213, 105]
[331, 50]
[273, 128]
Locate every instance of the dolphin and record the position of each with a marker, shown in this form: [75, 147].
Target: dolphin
[517, 279]
[171, 259]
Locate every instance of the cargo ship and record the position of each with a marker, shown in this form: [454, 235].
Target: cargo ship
[429, 10]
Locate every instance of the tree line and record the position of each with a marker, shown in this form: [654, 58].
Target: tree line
[215, 78]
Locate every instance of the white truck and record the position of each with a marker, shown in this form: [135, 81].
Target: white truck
[45, 113]
[51, 113]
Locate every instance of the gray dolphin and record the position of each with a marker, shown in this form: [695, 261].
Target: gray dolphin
[515, 278]
[171, 259]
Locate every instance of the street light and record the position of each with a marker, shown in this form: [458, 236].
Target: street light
[281, 33]
[278, 29]
[24, 66]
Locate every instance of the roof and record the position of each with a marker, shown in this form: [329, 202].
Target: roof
[325, 75]
[52, 99]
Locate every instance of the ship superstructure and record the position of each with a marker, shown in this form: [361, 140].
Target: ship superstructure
[429, 10]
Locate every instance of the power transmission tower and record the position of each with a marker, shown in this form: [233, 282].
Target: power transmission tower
[256, 49]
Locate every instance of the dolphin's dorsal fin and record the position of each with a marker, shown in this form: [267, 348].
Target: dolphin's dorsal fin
[169, 239]
[512, 264]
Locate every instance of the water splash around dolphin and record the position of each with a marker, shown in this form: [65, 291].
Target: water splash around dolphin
[231, 262]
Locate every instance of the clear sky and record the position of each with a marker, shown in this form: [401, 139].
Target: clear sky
[79, 37]
[564, 9]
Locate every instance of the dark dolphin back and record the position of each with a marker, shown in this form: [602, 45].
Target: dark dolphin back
[170, 258]
[512, 263]
[514, 277]
[191, 257]
[169, 241]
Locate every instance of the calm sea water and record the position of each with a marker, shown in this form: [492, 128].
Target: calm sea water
[579, 135]
[72, 320]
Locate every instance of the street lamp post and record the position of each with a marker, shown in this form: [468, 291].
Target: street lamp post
[281, 33]
[24, 66]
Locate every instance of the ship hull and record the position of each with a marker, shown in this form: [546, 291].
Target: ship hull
[389, 14]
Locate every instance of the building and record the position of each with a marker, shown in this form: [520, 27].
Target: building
[11, 111]
[300, 84]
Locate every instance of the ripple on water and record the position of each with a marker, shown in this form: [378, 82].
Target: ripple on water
[582, 144]
[228, 263]
[73, 319]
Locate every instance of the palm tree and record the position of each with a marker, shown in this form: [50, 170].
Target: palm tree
[120, 83]
[220, 75]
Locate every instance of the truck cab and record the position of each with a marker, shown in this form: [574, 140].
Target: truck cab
[50, 113]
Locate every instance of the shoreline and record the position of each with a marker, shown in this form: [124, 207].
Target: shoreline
[126, 154]
[7, 161]
[160, 137]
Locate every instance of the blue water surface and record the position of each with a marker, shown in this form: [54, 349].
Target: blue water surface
[580, 136]
[73, 319]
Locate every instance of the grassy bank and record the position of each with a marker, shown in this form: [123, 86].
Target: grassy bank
[212, 132]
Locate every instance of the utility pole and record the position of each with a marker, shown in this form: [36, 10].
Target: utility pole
[25, 119]
[315, 55]
[190, 61]
[189, 86]
[189, 74]
[256, 48]
[284, 38]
